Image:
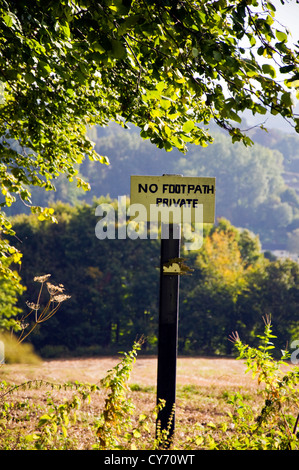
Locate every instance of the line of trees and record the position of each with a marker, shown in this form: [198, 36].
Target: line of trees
[171, 69]
[114, 287]
[251, 187]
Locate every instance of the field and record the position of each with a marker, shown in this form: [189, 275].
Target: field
[203, 388]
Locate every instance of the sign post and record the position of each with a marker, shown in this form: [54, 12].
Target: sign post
[168, 330]
[167, 199]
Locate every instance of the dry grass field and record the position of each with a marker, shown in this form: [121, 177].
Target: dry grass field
[203, 372]
[203, 388]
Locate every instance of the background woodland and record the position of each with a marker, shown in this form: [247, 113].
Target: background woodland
[114, 284]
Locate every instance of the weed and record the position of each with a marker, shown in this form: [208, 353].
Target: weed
[56, 297]
[268, 421]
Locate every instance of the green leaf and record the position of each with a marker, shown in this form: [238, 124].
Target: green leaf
[11, 20]
[269, 69]
[287, 68]
[188, 126]
[44, 419]
[281, 36]
[8, 20]
[30, 78]
[96, 46]
[32, 437]
[286, 99]
[82, 184]
[217, 56]
[120, 6]
[136, 433]
[271, 6]
[234, 116]
[160, 86]
[66, 29]
[64, 431]
[118, 49]
[194, 52]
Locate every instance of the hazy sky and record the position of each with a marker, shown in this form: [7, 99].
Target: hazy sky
[287, 14]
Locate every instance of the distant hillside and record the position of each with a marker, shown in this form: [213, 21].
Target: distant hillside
[252, 186]
[257, 187]
[288, 145]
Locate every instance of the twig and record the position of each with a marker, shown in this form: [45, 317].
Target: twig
[234, 337]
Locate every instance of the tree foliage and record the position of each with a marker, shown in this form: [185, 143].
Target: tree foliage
[114, 287]
[11, 288]
[169, 67]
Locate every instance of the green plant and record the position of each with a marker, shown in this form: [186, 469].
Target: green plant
[275, 426]
[115, 421]
[266, 422]
[53, 426]
[50, 430]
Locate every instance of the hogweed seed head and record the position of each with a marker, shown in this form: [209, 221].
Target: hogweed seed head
[53, 290]
[32, 305]
[60, 298]
[42, 278]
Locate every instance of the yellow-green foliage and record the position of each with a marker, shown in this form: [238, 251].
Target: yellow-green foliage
[16, 352]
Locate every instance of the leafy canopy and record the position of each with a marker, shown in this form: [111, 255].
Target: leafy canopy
[167, 66]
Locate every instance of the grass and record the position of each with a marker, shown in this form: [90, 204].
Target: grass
[204, 386]
[110, 403]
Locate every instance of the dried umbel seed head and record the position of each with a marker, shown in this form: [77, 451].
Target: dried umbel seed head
[60, 298]
[42, 278]
[53, 290]
[23, 325]
[32, 305]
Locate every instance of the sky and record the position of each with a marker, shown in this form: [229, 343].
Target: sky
[287, 15]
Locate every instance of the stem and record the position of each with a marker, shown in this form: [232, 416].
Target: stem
[296, 424]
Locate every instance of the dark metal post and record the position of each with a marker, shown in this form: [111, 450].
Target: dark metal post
[168, 329]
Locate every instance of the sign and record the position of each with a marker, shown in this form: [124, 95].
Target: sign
[169, 195]
[171, 199]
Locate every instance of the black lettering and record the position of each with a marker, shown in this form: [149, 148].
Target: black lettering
[198, 188]
[208, 189]
[158, 200]
[195, 202]
[140, 187]
[153, 188]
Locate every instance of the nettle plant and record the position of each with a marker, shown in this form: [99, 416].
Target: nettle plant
[53, 424]
[276, 425]
[271, 425]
